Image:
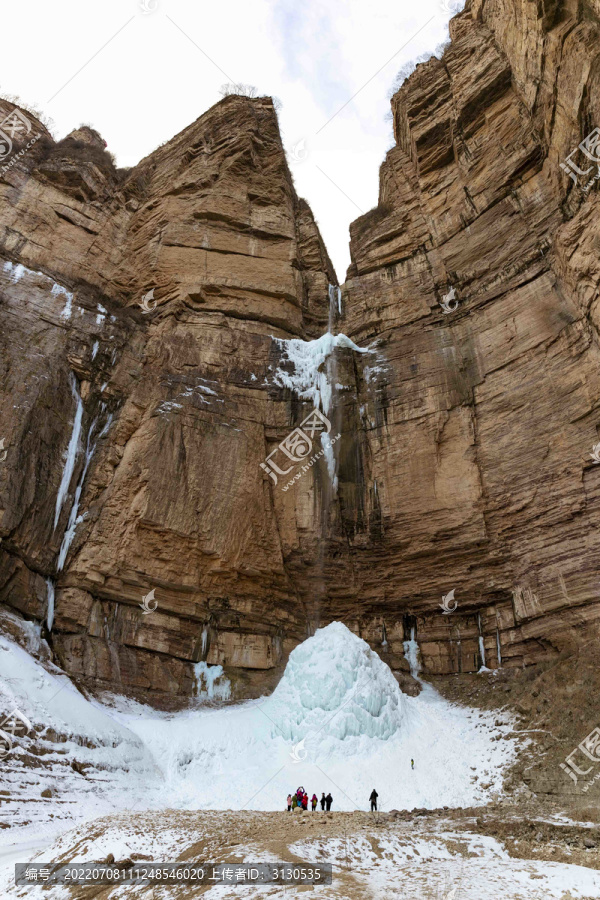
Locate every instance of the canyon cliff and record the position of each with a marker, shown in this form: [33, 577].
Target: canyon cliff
[155, 352]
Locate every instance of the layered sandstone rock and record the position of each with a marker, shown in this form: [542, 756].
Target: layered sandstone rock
[464, 457]
[175, 406]
[481, 421]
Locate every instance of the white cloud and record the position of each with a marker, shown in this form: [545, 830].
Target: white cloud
[150, 80]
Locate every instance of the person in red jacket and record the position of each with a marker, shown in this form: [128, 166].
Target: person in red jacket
[305, 802]
[314, 801]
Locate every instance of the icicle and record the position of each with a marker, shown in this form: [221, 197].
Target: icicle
[95, 349]
[71, 450]
[411, 652]
[481, 646]
[329, 459]
[73, 520]
[16, 272]
[50, 603]
[498, 651]
[204, 641]
[384, 642]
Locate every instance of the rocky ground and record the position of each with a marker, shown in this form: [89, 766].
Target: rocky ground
[556, 704]
[484, 854]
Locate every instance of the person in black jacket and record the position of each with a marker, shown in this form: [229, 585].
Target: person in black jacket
[323, 801]
[328, 801]
[373, 799]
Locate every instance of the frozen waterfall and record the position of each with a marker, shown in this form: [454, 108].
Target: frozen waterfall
[71, 450]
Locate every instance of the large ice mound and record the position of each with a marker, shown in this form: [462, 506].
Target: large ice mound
[335, 684]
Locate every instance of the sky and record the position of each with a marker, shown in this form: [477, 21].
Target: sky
[139, 71]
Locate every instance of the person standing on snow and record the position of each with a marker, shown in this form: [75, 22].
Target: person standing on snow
[328, 801]
[323, 801]
[313, 802]
[373, 799]
[412, 763]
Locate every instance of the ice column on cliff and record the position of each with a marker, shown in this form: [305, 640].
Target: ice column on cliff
[481, 646]
[313, 375]
[335, 305]
[50, 604]
[71, 450]
[73, 520]
[411, 652]
[204, 641]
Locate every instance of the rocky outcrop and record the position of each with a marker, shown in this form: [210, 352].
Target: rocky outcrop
[134, 432]
[155, 352]
[481, 420]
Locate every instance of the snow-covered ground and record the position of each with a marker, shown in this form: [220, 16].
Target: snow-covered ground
[337, 722]
[448, 866]
[374, 859]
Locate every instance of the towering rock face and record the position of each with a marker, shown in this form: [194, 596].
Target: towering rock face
[481, 420]
[139, 312]
[164, 334]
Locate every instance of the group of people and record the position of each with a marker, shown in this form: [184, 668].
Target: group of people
[299, 800]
